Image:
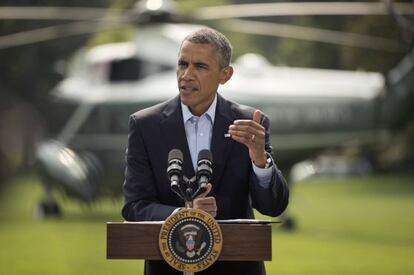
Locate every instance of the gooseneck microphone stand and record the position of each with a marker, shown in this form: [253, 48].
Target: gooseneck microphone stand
[185, 188]
[188, 200]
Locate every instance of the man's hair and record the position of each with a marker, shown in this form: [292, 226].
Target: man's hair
[215, 38]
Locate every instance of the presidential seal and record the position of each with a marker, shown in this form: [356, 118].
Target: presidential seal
[190, 240]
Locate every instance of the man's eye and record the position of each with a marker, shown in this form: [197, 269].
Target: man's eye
[182, 64]
[202, 66]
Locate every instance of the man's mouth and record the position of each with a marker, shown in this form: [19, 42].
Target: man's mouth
[186, 89]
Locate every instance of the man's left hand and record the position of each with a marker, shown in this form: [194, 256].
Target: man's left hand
[205, 203]
[252, 134]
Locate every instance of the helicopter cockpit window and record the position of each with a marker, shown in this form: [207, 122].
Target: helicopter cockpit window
[108, 119]
[134, 69]
[97, 122]
[119, 118]
[125, 69]
[58, 113]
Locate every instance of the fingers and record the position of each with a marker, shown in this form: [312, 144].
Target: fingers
[208, 204]
[252, 134]
[248, 132]
[205, 193]
[244, 134]
[256, 116]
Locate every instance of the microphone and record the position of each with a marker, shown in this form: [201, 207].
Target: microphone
[204, 170]
[175, 170]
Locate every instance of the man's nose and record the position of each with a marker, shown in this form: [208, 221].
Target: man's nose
[188, 73]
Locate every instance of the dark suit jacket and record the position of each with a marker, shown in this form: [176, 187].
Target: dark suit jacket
[154, 131]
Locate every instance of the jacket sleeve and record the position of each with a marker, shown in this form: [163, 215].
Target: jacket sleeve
[271, 201]
[140, 192]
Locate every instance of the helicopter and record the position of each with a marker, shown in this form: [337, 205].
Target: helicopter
[309, 109]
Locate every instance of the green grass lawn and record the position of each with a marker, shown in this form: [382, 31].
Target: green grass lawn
[360, 225]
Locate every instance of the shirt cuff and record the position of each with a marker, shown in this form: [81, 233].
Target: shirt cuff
[264, 175]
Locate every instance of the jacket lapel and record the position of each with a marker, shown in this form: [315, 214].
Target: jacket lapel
[172, 127]
[220, 145]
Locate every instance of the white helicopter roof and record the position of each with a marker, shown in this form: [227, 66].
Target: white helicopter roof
[111, 51]
[166, 37]
[255, 77]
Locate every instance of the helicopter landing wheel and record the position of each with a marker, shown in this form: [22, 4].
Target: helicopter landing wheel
[47, 209]
[288, 223]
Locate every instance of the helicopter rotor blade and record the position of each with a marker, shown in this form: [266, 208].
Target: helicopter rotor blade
[55, 13]
[406, 22]
[216, 12]
[114, 18]
[234, 25]
[299, 9]
[54, 32]
[312, 34]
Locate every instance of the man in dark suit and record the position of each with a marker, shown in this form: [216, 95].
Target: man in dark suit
[244, 173]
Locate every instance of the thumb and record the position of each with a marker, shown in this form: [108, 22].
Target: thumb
[257, 115]
[204, 194]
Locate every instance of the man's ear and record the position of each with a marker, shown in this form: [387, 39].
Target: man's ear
[226, 74]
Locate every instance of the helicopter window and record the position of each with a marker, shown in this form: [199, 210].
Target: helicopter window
[97, 122]
[133, 69]
[125, 69]
[163, 68]
[58, 114]
[119, 118]
[108, 119]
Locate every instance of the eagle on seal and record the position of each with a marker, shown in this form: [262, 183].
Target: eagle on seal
[190, 240]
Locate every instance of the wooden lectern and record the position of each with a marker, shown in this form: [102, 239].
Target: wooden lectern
[242, 241]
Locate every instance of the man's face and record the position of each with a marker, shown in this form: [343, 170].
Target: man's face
[198, 76]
